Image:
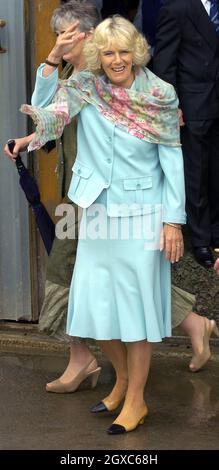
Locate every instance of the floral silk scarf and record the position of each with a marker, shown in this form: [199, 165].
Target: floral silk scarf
[150, 112]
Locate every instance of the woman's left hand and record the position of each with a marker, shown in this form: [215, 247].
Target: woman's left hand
[172, 241]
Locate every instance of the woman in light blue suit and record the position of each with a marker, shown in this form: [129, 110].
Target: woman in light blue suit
[128, 178]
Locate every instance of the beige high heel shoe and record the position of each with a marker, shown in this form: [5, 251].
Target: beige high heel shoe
[130, 425]
[57, 386]
[199, 360]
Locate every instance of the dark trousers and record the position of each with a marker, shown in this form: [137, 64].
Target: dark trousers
[200, 145]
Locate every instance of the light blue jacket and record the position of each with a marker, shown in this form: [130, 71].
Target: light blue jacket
[134, 172]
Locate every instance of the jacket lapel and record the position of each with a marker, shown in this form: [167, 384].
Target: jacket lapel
[202, 22]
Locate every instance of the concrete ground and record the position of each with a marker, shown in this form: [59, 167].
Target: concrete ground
[183, 407]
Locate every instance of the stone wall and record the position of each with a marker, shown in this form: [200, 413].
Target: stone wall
[204, 283]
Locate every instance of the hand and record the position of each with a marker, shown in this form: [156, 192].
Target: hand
[172, 241]
[181, 120]
[65, 42]
[21, 145]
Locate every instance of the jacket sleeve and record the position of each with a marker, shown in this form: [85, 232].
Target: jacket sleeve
[173, 196]
[45, 88]
[167, 44]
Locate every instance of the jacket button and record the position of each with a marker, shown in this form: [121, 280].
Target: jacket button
[138, 186]
[79, 171]
[109, 160]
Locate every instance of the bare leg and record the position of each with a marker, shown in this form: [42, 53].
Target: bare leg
[116, 352]
[194, 326]
[134, 409]
[199, 329]
[80, 356]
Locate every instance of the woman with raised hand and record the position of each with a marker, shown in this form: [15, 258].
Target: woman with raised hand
[128, 178]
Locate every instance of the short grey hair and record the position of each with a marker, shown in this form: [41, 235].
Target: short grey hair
[84, 11]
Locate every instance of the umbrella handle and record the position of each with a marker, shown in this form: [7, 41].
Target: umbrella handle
[43, 219]
[11, 144]
[18, 161]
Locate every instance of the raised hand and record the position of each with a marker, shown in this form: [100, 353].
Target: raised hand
[65, 42]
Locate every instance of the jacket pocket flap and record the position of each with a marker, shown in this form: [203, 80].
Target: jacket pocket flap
[143, 182]
[82, 170]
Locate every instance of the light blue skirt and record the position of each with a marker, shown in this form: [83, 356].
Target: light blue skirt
[120, 287]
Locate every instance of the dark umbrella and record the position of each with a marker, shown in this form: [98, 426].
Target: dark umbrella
[44, 222]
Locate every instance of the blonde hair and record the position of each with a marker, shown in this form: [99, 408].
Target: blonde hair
[121, 32]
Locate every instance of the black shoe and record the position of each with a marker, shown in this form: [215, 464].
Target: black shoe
[109, 406]
[203, 256]
[116, 429]
[119, 429]
[99, 408]
[215, 244]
